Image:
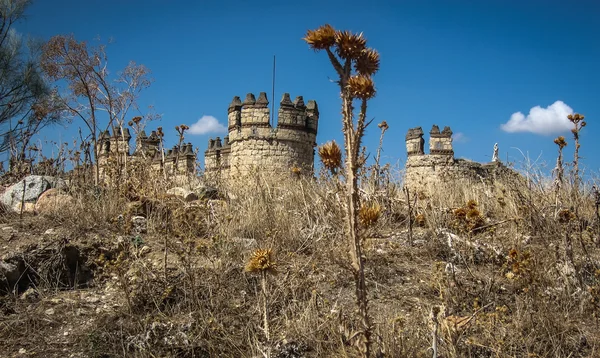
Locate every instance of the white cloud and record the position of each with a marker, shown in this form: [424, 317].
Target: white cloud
[207, 124]
[460, 137]
[545, 121]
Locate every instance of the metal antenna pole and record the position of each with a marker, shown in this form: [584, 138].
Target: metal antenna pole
[273, 95]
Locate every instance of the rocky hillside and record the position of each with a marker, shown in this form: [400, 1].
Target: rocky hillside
[142, 271]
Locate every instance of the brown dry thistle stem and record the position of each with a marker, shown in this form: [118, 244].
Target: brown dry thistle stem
[384, 127]
[263, 263]
[352, 51]
[578, 123]
[559, 169]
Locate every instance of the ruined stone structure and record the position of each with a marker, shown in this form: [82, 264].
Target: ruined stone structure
[253, 143]
[147, 148]
[425, 171]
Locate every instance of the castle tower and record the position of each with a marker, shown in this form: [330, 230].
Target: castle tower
[147, 145]
[415, 141]
[104, 143]
[186, 160]
[440, 143]
[119, 141]
[252, 142]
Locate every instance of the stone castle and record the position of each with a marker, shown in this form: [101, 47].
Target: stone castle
[252, 141]
[147, 148]
[425, 171]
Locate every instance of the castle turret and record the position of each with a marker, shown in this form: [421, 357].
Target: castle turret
[104, 143]
[146, 146]
[312, 117]
[119, 141]
[440, 142]
[187, 159]
[292, 115]
[415, 141]
[255, 113]
[234, 114]
[253, 142]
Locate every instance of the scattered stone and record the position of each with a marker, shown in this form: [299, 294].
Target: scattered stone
[139, 225]
[145, 250]
[291, 349]
[50, 231]
[92, 299]
[30, 294]
[9, 273]
[218, 205]
[49, 311]
[186, 194]
[244, 242]
[206, 192]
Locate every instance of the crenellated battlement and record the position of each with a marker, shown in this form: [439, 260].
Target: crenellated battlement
[427, 172]
[440, 143]
[254, 141]
[177, 160]
[254, 112]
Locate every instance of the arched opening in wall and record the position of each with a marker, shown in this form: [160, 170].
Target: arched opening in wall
[107, 147]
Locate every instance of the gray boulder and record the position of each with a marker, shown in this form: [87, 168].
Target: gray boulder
[32, 186]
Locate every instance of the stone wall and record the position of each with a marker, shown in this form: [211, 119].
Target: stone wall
[424, 172]
[254, 144]
[116, 147]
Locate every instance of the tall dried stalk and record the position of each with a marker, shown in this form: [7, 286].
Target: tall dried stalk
[559, 171]
[181, 133]
[596, 193]
[346, 50]
[578, 123]
[383, 126]
[263, 263]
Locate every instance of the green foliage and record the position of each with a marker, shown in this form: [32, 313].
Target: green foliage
[27, 104]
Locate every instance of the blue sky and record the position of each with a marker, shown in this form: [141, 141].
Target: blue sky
[470, 65]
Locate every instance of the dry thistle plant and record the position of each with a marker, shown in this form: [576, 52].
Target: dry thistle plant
[331, 156]
[559, 169]
[467, 218]
[578, 123]
[181, 133]
[369, 214]
[384, 127]
[596, 194]
[263, 263]
[296, 171]
[346, 51]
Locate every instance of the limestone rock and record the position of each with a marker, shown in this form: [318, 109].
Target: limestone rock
[29, 189]
[27, 207]
[187, 195]
[30, 295]
[207, 192]
[9, 274]
[52, 200]
[139, 225]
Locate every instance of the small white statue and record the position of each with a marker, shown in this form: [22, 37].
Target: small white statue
[495, 156]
